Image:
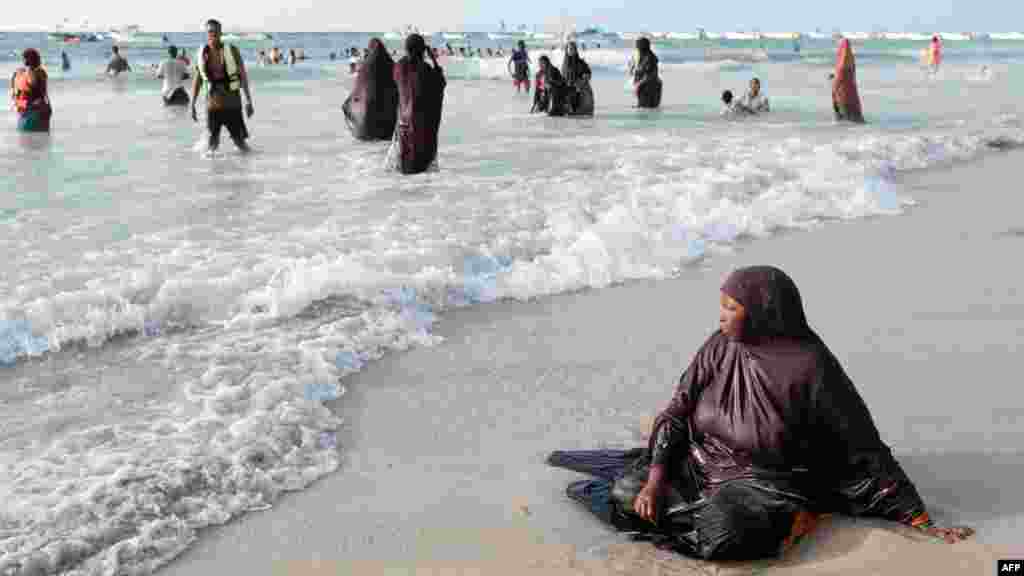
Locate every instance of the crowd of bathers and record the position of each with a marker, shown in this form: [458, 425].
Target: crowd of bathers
[377, 96]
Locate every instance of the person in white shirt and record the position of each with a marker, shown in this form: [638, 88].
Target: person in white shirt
[173, 72]
[754, 101]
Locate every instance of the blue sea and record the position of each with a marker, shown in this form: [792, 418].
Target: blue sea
[172, 324]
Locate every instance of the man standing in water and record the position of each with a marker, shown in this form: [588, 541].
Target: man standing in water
[221, 68]
[174, 73]
[117, 62]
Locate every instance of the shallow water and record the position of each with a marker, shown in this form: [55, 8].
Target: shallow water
[170, 324]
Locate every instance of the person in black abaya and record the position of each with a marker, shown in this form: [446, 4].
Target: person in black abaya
[646, 82]
[576, 71]
[764, 433]
[371, 110]
[421, 98]
[552, 91]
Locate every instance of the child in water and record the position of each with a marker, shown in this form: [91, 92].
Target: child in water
[541, 98]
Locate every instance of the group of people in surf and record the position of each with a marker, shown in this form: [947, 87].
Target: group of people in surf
[399, 101]
[567, 91]
[276, 56]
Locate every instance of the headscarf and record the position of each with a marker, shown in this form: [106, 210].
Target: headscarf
[643, 45]
[415, 47]
[772, 301]
[844, 86]
[573, 66]
[30, 57]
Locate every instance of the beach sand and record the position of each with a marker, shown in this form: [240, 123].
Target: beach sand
[444, 448]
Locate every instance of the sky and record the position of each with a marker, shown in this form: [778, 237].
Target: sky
[651, 16]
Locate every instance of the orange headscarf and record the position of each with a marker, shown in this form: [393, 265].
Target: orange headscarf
[845, 97]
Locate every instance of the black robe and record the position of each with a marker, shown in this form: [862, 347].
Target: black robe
[421, 99]
[645, 77]
[757, 431]
[371, 110]
[579, 95]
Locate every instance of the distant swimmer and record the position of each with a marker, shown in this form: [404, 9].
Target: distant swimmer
[65, 61]
[117, 63]
[220, 67]
[646, 82]
[29, 94]
[576, 71]
[421, 99]
[519, 67]
[371, 110]
[754, 100]
[845, 98]
[173, 72]
[731, 108]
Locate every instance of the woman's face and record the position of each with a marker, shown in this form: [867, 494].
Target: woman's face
[731, 317]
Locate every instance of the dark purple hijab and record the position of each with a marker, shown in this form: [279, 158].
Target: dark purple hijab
[778, 405]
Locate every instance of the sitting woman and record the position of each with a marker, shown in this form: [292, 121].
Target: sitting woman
[31, 99]
[576, 71]
[764, 433]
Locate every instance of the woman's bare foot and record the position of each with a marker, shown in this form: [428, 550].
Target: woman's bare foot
[951, 535]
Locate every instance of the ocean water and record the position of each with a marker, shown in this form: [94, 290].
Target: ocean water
[172, 324]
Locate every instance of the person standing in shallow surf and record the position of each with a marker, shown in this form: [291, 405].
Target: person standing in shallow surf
[646, 82]
[117, 63]
[421, 99]
[935, 54]
[30, 95]
[174, 73]
[519, 66]
[220, 67]
[576, 71]
[371, 110]
[845, 98]
[765, 432]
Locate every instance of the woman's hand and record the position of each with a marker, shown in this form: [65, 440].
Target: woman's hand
[950, 535]
[646, 503]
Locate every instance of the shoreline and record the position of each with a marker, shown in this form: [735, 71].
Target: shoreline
[583, 369]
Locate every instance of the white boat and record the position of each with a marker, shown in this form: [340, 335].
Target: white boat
[781, 35]
[453, 35]
[544, 36]
[246, 37]
[133, 34]
[498, 36]
[857, 35]
[954, 36]
[1006, 35]
[683, 36]
[742, 36]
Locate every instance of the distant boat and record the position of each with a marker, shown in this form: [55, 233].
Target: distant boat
[954, 36]
[742, 36]
[133, 34]
[453, 35]
[684, 36]
[247, 37]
